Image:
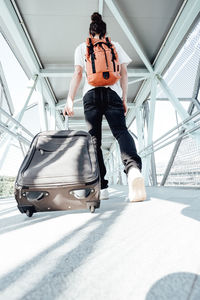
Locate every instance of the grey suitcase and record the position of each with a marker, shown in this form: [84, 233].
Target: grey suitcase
[59, 172]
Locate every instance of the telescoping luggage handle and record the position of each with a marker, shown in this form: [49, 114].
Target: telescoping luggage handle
[66, 122]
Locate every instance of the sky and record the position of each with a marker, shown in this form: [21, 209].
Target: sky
[165, 116]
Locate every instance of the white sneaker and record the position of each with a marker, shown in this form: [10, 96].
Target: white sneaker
[104, 195]
[136, 185]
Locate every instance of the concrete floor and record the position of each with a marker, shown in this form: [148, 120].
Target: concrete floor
[124, 251]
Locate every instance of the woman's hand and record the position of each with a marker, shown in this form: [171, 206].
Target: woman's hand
[68, 109]
[125, 106]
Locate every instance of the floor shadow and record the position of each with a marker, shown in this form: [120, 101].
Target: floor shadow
[190, 197]
[53, 283]
[5, 202]
[176, 286]
[7, 210]
[19, 221]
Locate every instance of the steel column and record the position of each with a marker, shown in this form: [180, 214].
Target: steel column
[140, 135]
[51, 117]
[112, 168]
[150, 125]
[15, 135]
[29, 92]
[3, 112]
[118, 161]
[42, 109]
[5, 90]
[18, 116]
[22, 148]
[101, 7]
[153, 177]
[190, 110]
[140, 132]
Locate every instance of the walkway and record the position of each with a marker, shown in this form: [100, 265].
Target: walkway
[125, 251]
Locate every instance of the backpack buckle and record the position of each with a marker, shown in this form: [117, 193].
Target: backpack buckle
[106, 75]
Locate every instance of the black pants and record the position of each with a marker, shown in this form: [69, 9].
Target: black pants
[104, 101]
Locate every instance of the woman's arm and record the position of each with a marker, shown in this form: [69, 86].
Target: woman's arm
[124, 86]
[74, 85]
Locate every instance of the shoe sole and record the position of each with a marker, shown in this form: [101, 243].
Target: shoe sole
[139, 193]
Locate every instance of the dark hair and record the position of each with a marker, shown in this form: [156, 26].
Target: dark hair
[97, 26]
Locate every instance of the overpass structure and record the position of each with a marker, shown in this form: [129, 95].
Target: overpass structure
[162, 37]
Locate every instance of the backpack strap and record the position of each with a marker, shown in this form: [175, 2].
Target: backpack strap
[91, 53]
[108, 43]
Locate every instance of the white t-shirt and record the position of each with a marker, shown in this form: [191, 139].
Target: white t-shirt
[79, 59]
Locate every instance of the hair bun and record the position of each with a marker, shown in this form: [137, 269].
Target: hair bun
[96, 17]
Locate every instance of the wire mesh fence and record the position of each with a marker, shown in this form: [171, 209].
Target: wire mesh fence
[183, 77]
[185, 170]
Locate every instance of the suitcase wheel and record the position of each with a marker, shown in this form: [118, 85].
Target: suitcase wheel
[92, 209]
[29, 213]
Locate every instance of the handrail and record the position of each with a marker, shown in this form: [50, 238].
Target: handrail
[152, 147]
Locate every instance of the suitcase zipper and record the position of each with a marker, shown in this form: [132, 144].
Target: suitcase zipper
[62, 184]
[62, 136]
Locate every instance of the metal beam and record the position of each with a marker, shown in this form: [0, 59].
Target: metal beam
[19, 115]
[29, 93]
[61, 103]
[175, 150]
[172, 132]
[141, 138]
[101, 7]
[22, 148]
[12, 130]
[140, 98]
[136, 80]
[51, 117]
[15, 135]
[31, 106]
[15, 122]
[117, 13]
[178, 142]
[69, 71]
[12, 22]
[73, 121]
[188, 13]
[175, 101]
[180, 99]
[150, 160]
[42, 109]
[15, 26]
[197, 88]
[5, 90]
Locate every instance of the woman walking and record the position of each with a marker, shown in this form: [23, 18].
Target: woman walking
[100, 98]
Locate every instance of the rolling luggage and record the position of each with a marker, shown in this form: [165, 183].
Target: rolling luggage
[59, 172]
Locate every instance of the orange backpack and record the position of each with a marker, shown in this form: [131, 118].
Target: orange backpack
[102, 62]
